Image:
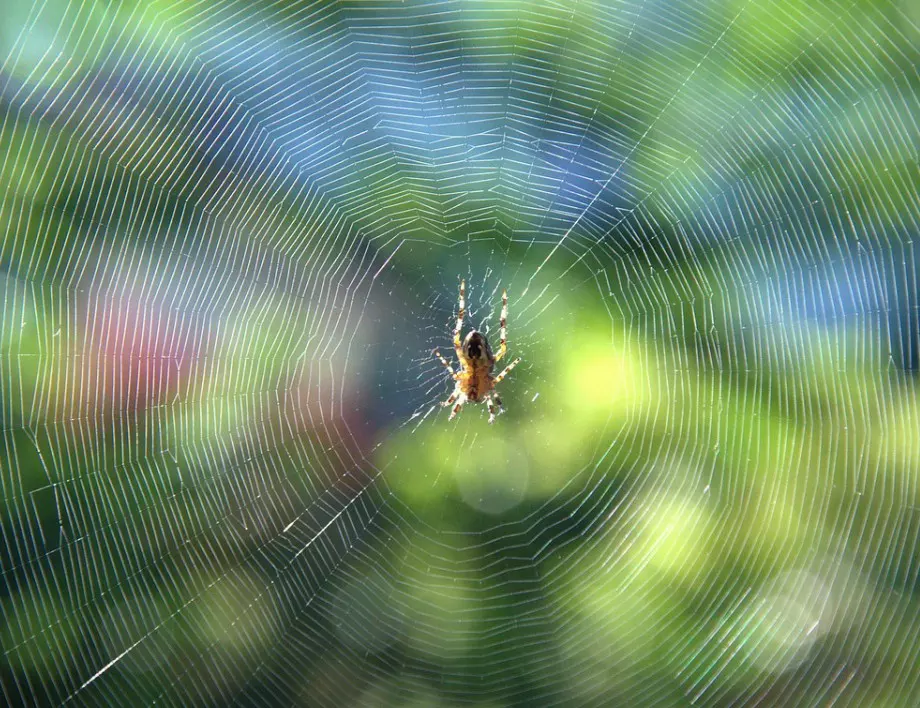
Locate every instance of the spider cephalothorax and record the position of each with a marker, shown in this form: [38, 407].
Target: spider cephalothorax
[477, 352]
[474, 381]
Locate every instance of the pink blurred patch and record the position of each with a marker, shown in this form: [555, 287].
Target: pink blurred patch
[137, 356]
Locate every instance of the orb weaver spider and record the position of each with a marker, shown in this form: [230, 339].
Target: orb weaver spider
[474, 381]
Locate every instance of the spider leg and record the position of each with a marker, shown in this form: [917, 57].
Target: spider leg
[460, 401]
[453, 397]
[506, 371]
[460, 313]
[503, 339]
[447, 365]
[491, 401]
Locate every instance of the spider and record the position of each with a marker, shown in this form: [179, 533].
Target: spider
[475, 380]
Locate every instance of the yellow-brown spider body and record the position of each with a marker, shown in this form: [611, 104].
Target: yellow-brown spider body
[474, 381]
[475, 376]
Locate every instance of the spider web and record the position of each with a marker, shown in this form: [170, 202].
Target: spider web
[233, 233]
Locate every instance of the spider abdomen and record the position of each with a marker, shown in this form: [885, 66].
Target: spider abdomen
[476, 382]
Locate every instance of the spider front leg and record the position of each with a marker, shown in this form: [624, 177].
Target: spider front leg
[503, 336]
[447, 365]
[459, 326]
[506, 371]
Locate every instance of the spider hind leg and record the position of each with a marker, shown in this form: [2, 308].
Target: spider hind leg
[461, 399]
